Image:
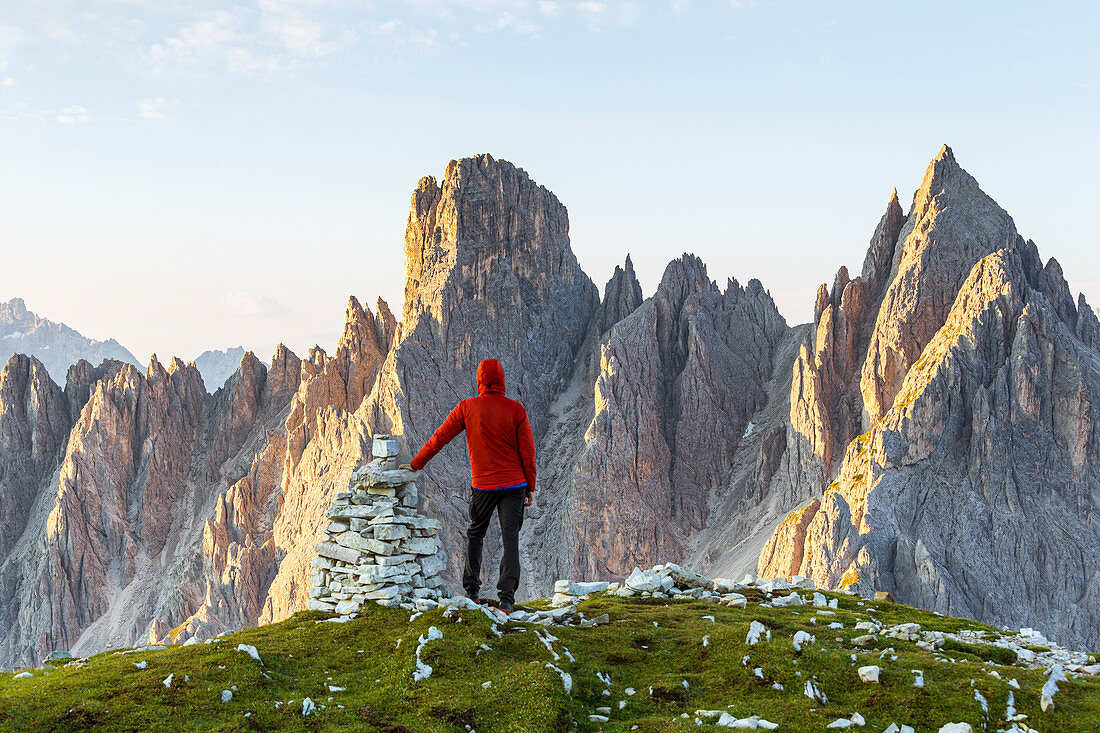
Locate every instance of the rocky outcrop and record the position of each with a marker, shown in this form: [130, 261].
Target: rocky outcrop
[974, 485]
[630, 479]
[54, 344]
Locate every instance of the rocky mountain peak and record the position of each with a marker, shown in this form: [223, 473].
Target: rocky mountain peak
[951, 225]
[882, 251]
[621, 296]
[1088, 325]
[14, 310]
[486, 220]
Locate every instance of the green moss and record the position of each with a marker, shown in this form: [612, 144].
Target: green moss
[1037, 648]
[982, 652]
[302, 657]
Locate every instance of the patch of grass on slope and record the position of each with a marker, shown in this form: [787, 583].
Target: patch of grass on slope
[649, 645]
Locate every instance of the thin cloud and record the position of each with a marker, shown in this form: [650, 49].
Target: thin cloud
[73, 115]
[153, 108]
[506, 21]
[253, 305]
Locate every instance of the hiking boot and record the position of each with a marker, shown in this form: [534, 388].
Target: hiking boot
[474, 597]
[506, 606]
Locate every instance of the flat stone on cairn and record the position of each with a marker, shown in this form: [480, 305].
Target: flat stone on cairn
[376, 546]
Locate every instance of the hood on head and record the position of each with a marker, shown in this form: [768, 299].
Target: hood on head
[490, 377]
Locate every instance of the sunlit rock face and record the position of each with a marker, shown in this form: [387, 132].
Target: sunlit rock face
[971, 485]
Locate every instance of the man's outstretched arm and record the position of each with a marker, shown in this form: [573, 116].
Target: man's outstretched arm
[452, 426]
[525, 441]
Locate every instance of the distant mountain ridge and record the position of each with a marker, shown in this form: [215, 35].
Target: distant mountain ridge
[59, 347]
[54, 344]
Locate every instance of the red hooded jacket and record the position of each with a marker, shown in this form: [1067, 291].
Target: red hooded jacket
[498, 434]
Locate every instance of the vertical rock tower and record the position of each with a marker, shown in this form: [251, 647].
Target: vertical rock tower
[377, 547]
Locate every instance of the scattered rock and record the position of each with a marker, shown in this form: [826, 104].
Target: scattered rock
[869, 673]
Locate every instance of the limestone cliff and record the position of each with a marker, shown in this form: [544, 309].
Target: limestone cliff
[648, 431]
[973, 483]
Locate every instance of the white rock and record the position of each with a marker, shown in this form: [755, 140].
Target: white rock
[167, 681]
[840, 723]
[566, 678]
[686, 579]
[800, 638]
[141, 665]
[643, 581]
[250, 651]
[384, 447]
[227, 695]
[756, 630]
[22, 676]
[734, 600]
[869, 673]
[956, 728]
[791, 599]
[812, 691]
[307, 707]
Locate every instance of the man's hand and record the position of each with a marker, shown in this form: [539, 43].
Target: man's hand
[407, 467]
[529, 498]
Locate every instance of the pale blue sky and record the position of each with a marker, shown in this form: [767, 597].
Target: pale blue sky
[189, 175]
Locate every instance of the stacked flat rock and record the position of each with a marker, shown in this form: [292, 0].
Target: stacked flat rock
[377, 547]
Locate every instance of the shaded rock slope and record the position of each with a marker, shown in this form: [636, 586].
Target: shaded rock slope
[684, 426]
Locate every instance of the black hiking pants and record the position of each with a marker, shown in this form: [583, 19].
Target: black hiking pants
[508, 504]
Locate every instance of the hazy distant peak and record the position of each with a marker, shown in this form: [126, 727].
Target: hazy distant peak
[56, 345]
[218, 365]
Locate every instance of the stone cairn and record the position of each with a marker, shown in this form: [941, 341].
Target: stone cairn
[377, 547]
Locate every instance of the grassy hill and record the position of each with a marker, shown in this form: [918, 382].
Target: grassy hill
[677, 657]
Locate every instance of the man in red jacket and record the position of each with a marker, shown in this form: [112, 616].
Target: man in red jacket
[502, 473]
